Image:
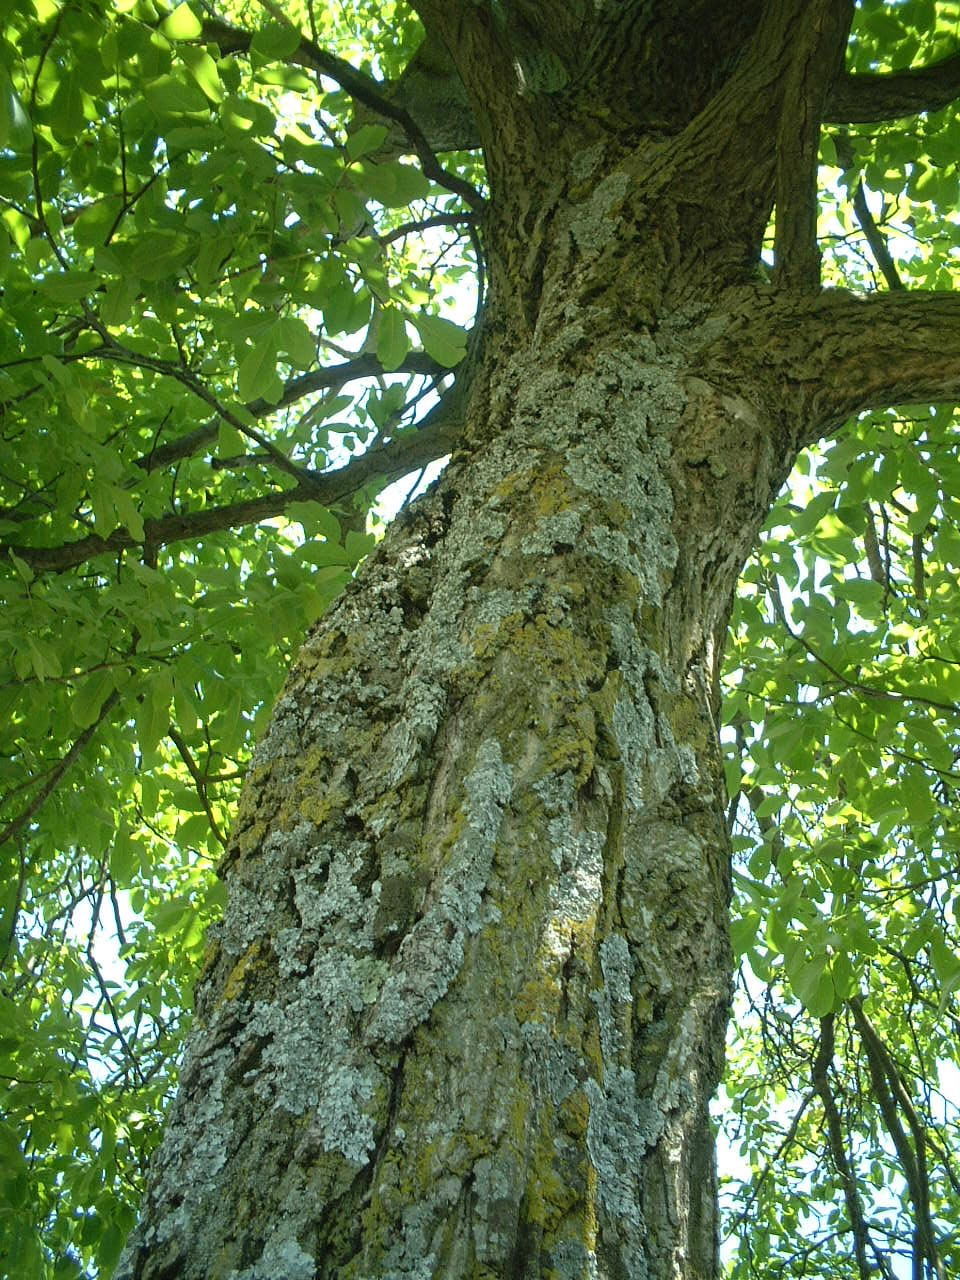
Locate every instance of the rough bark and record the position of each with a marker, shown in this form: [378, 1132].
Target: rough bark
[466, 1009]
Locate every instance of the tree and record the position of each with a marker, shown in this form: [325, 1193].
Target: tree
[466, 1007]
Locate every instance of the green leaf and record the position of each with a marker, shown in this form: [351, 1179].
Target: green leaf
[204, 71]
[97, 220]
[66, 107]
[743, 932]
[257, 377]
[297, 341]
[174, 95]
[442, 339]
[275, 41]
[119, 298]
[365, 140]
[231, 443]
[16, 131]
[21, 566]
[392, 341]
[68, 286]
[90, 697]
[182, 24]
[390, 183]
[127, 512]
[812, 984]
[345, 310]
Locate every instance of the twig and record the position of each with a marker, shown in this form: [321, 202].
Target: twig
[16, 825]
[200, 782]
[838, 1154]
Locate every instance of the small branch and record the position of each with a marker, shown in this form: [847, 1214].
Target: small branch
[400, 455]
[872, 545]
[785, 1143]
[115, 351]
[199, 781]
[919, 568]
[424, 224]
[890, 1093]
[869, 691]
[362, 88]
[129, 1054]
[330, 378]
[15, 908]
[838, 1154]
[861, 209]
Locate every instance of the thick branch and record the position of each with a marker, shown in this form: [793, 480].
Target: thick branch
[864, 99]
[840, 353]
[727, 162]
[403, 454]
[817, 59]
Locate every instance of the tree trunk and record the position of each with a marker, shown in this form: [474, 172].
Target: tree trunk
[466, 1009]
[467, 1006]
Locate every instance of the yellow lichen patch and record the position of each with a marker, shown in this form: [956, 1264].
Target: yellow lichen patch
[552, 491]
[565, 659]
[574, 1114]
[513, 483]
[538, 1000]
[539, 996]
[235, 979]
[552, 1194]
[689, 725]
[210, 957]
[248, 839]
[615, 513]
[488, 637]
[592, 1049]
[605, 698]
[592, 1227]
[319, 808]
[316, 759]
[572, 745]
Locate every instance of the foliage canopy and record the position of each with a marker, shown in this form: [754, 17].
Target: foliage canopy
[230, 314]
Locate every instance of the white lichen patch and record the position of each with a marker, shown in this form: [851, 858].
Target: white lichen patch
[432, 953]
[490, 607]
[592, 222]
[282, 1257]
[310, 1063]
[552, 533]
[578, 856]
[617, 1153]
